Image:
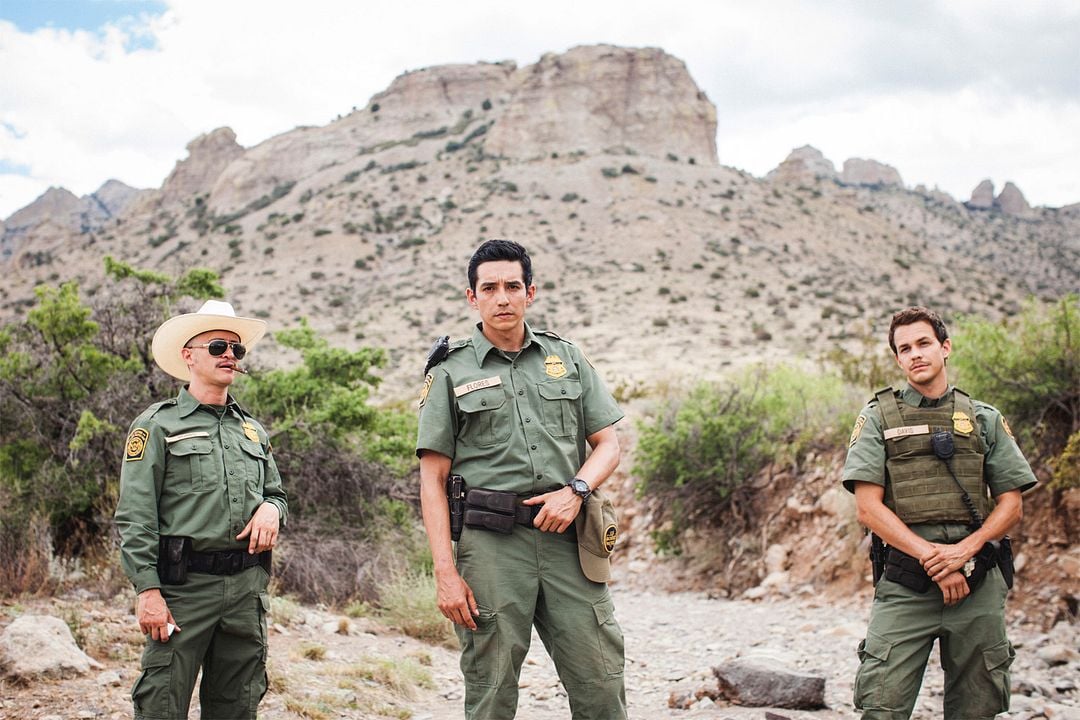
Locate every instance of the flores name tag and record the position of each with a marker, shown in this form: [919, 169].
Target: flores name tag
[477, 385]
[907, 430]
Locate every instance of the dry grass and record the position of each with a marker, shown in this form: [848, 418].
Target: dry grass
[407, 603]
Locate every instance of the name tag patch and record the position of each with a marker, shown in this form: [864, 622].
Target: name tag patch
[186, 436]
[477, 385]
[906, 431]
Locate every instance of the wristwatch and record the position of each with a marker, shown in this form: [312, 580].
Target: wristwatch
[581, 489]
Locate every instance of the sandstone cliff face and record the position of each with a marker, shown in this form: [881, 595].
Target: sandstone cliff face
[804, 164]
[858, 171]
[595, 98]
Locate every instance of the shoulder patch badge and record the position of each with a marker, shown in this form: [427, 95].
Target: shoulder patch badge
[961, 422]
[855, 431]
[428, 379]
[250, 432]
[135, 447]
[1005, 426]
[553, 366]
[611, 535]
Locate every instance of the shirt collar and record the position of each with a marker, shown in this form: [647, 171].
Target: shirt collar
[483, 346]
[187, 403]
[916, 399]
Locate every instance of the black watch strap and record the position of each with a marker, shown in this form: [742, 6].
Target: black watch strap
[580, 488]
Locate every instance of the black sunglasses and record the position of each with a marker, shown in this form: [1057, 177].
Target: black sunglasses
[218, 347]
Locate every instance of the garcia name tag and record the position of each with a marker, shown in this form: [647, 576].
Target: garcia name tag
[907, 430]
[477, 385]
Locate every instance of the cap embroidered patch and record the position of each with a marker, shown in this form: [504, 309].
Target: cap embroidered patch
[611, 535]
[136, 444]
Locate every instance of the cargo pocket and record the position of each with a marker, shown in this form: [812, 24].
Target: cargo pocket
[871, 679]
[481, 658]
[486, 417]
[151, 692]
[560, 407]
[609, 637]
[191, 466]
[261, 681]
[995, 696]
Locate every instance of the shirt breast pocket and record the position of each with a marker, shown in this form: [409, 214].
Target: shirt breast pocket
[254, 464]
[561, 405]
[191, 466]
[486, 418]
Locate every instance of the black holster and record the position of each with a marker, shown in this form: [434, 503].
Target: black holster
[1005, 560]
[455, 497]
[173, 555]
[877, 556]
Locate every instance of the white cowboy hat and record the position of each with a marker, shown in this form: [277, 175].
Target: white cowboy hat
[175, 332]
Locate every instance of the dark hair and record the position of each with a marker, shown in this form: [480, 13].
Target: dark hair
[912, 315]
[495, 250]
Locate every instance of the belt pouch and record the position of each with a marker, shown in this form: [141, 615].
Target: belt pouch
[173, 554]
[485, 520]
[495, 500]
[906, 570]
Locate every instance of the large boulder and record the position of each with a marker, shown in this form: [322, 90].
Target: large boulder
[35, 646]
[804, 164]
[982, 197]
[1012, 201]
[858, 171]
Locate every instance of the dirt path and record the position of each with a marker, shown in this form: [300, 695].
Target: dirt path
[324, 666]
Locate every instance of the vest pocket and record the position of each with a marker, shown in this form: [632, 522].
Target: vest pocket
[560, 407]
[190, 466]
[486, 419]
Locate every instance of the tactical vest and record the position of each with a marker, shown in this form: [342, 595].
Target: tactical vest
[918, 486]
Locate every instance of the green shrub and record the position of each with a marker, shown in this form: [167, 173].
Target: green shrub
[701, 448]
[407, 603]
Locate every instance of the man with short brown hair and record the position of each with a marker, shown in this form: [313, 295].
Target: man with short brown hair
[938, 477]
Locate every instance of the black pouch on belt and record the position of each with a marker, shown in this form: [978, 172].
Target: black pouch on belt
[494, 500]
[173, 554]
[489, 520]
[906, 570]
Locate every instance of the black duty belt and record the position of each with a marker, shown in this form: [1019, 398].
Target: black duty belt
[222, 562]
[498, 511]
[908, 571]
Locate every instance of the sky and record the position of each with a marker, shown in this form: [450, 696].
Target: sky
[949, 92]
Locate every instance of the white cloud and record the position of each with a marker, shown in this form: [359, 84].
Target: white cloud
[947, 93]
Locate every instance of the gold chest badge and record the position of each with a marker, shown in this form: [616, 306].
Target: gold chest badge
[961, 422]
[250, 432]
[553, 366]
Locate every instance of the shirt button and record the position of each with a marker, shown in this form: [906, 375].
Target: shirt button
[227, 447]
[231, 472]
[532, 447]
[539, 476]
[521, 392]
[235, 500]
[528, 419]
[564, 392]
[483, 402]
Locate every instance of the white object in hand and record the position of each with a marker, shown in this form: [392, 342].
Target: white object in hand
[169, 629]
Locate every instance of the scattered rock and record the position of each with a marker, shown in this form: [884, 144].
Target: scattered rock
[1057, 655]
[765, 683]
[42, 646]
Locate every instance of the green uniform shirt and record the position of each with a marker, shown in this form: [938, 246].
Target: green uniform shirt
[1004, 466]
[191, 470]
[519, 424]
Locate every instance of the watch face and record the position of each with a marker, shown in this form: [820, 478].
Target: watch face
[580, 486]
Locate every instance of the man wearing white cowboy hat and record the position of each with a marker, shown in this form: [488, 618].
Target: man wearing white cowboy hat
[200, 506]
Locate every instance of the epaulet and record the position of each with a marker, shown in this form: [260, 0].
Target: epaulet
[441, 349]
[552, 334]
[153, 409]
[888, 390]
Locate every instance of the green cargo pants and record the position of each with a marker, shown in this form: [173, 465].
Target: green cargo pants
[975, 653]
[223, 631]
[534, 578]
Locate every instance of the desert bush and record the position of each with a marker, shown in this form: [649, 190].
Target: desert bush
[695, 456]
[407, 603]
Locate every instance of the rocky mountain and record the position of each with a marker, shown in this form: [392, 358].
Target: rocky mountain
[660, 261]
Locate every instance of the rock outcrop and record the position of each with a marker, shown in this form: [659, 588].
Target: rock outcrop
[208, 156]
[804, 164]
[35, 646]
[762, 682]
[600, 97]
[982, 197]
[1012, 201]
[858, 171]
